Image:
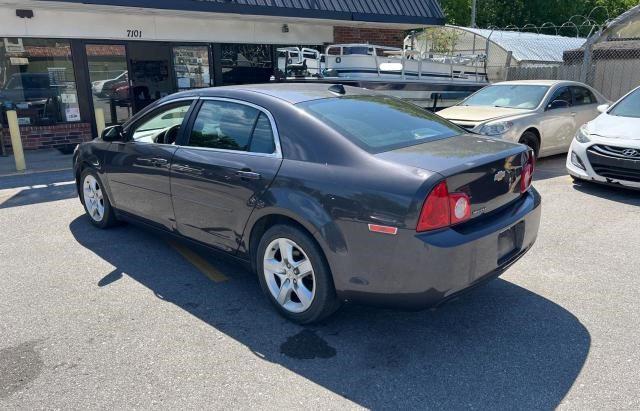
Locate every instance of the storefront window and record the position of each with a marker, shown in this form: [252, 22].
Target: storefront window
[246, 63]
[38, 81]
[299, 61]
[109, 78]
[191, 67]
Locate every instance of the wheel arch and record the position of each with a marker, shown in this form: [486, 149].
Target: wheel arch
[89, 160]
[536, 132]
[260, 224]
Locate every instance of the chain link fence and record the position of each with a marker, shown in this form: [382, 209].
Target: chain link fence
[608, 60]
[606, 57]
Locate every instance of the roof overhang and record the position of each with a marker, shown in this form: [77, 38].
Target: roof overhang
[349, 12]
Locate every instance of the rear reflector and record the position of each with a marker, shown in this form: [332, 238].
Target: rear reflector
[443, 209]
[383, 229]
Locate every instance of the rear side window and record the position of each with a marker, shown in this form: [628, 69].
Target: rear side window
[380, 123]
[262, 140]
[583, 96]
[232, 126]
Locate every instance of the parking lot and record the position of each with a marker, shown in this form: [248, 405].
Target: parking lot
[125, 319]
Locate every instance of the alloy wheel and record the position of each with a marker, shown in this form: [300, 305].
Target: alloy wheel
[93, 198]
[289, 275]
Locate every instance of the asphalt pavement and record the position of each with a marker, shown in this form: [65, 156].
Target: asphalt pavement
[124, 319]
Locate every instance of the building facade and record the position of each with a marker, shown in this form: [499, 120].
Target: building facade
[62, 60]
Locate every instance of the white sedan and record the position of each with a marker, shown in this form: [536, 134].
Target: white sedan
[543, 114]
[607, 149]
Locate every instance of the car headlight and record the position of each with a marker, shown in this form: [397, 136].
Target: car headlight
[583, 135]
[497, 128]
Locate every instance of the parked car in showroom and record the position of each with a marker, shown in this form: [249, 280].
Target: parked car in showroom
[329, 193]
[607, 149]
[543, 114]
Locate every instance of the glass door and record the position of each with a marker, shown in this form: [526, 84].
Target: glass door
[109, 76]
[151, 77]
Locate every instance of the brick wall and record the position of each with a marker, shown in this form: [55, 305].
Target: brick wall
[35, 137]
[380, 37]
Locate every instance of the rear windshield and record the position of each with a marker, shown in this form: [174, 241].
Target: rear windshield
[380, 123]
[628, 107]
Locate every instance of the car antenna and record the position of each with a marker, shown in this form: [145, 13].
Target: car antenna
[338, 89]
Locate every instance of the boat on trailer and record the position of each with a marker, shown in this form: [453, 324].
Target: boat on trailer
[433, 81]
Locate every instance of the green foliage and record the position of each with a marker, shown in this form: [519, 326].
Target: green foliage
[502, 13]
[439, 40]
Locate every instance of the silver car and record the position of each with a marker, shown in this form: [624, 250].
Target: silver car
[543, 114]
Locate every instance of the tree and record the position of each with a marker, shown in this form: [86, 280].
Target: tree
[502, 13]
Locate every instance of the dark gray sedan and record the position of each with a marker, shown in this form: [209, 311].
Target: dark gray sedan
[330, 193]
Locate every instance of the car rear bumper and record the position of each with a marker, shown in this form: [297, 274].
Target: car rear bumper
[424, 269]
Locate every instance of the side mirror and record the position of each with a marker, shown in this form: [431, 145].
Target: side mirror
[555, 104]
[113, 133]
[603, 108]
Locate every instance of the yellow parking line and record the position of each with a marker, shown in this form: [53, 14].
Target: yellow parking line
[199, 262]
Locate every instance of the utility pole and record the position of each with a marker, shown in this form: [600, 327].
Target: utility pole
[473, 12]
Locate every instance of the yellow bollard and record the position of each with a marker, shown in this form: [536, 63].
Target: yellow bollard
[16, 141]
[100, 125]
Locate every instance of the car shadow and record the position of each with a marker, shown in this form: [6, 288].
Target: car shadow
[500, 347]
[618, 194]
[550, 167]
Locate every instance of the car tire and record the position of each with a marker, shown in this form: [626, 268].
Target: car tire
[530, 139]
[95, 200]
[301, 291]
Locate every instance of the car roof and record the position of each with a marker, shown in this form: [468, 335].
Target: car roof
[548, 83]
[293, 93]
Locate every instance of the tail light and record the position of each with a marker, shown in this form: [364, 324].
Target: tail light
[526, 175]
[443, 209]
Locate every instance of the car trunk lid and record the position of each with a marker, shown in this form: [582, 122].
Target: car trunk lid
[486, 169]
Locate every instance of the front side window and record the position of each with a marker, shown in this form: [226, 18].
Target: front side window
[380, 123]
[37, 79]
[562, 94]
[521, 96]
[232, 126]
[583, 96]
[628, 106]
[163, 125]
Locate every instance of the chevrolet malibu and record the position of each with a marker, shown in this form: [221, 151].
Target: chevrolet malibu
[543, 114]
[329, 193]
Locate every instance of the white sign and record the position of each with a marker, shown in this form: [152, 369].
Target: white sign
[73, 114]
[68, 98]
[19, 61]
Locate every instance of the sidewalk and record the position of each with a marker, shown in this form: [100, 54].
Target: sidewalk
[37, 161]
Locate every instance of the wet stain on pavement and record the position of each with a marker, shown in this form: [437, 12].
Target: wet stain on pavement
[307, 345]
[19, 366]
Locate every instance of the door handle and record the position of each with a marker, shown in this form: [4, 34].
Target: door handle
[574, 114]
[248, 175]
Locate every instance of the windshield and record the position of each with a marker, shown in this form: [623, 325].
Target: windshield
[628, 107]
[508, 96]
[380, 123]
